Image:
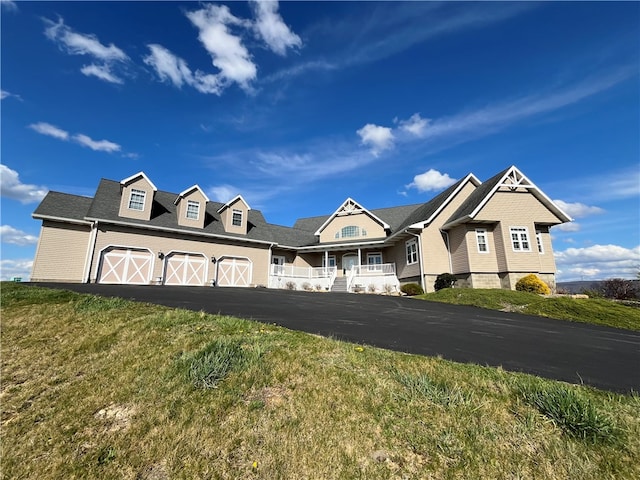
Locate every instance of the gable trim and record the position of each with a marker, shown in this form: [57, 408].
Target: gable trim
[338, 212]
[469, 178]
[136, 175]
[232, 201]
[189, 190]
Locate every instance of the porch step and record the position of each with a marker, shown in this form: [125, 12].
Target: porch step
[339, 285]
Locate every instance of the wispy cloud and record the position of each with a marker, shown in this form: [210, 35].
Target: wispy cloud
[271, 28]
[577, 209]
[9, 5]
[431, 180]
[597, 262]
[50, 130]
[79, 138]
[11, 187]
[415, 125]
[11, 235]
[98, 146]
[4, 94]
[75, 43]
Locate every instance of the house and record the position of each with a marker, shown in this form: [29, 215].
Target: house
[488, 234]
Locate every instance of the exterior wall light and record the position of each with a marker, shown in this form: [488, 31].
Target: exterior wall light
[160, 255]
[213, 259]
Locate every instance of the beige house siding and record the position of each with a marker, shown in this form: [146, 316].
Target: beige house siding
[459, 250]
[195, 196]
[398, 255]
[138, 184]
[61, 252]
[166, 242]
[480, 262]
[361, 220]
[227, 217]
[519, 209]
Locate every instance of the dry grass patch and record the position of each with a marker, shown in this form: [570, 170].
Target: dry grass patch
[104, 388]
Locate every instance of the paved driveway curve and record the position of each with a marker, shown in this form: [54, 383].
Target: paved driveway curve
[603, 357]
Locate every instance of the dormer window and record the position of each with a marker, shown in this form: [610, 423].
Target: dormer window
[193, 210]
[136, 200]
[236, 220]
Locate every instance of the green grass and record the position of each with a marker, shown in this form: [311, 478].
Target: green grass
[106, 388]
[596, 311]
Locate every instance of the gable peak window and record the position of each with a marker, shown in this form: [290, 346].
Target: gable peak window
[520, 239]
[236, 219]
[136, 199]
[193, 210]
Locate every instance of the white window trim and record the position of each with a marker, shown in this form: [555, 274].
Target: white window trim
[374, 266]
[233, 213]
[197, 209]
[142, 193]
[413, 254]
[482, 232]
[520, 231]
[540, 242]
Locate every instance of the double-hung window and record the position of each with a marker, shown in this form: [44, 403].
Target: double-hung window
[412, 252]
[520, 239]
[136, 200]
[193, 210]
[481, 239]
[236, 219]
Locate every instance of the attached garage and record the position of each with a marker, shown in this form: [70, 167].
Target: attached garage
[125, 265]
[185, 269]
[234, 272]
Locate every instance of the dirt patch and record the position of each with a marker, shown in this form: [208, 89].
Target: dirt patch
[116, 417]
[270, 396]
[157, 471]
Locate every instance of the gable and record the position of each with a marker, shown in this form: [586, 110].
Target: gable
[136, 197]
[191, 207]
[357, 225]
[351, 208]
[516, 206]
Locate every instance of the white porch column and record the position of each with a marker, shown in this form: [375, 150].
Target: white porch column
[359, 259]
[326, 259]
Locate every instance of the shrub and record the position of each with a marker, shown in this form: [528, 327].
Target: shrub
[444, 280]
[388, 288]
[619, 289]
[290, 285]
[371, 288]
[411, 289]
[307, 286]
[318, 287]
[531, 283]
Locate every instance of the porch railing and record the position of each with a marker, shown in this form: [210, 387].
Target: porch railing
[361, 275]
[302, 272]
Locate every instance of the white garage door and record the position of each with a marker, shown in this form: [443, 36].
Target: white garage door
[185, 269]
[126, 265]
[234, 272]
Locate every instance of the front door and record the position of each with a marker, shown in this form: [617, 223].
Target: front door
[348, 261]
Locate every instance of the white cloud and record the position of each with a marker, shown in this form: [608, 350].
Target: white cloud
[100, 145]
[431, 180]
[567, 227]
[8, 234]
[103, 72]
[577, 209]
[12, 187]
[598, 262]
[416, 125]
[168, 66]
[9, 5]
[75, 43]
[228, 53]
[222, 193]
[82, 44]
[377, 137]
[4, 94]
[271, 27]
[50, 130]
[16, 268]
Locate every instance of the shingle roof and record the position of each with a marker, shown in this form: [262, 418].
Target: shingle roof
[63, 205]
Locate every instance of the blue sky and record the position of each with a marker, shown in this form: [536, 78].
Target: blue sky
[300, 105]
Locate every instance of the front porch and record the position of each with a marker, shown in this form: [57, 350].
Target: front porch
[372, 278]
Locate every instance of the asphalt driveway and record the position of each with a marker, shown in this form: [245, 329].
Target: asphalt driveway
[603, 357]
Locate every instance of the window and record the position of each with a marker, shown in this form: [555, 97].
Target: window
[374, 260]
[481, 238]
[136, 200]
[412, 252]
[539, 241]
[236, 219]
[193, 209]
[350, 232]
[520, 239]
[332, 261]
